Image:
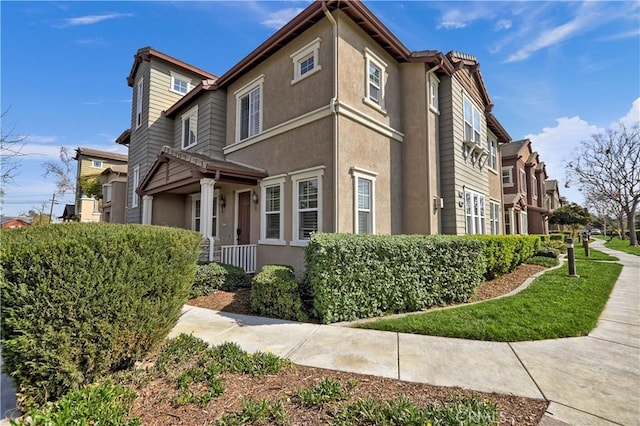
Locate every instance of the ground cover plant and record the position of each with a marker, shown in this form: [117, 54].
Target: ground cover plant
[553, 306]
[81, 300]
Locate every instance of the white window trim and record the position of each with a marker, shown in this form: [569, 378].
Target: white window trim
[301, 55]
[482, 217]
[372, 58]
[535, 187]
[493, 149]
[495, 219]
[239, 94]
[510, 170]
[135, 180]
[524, 223]
[193, 112]
[434, 86]
[523, 181]
[175, 76]
[278, 180]
[297, 176]
[198, 197]
[93, 164]
[139, 102]
[358, 173]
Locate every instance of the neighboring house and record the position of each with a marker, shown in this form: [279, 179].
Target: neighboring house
[14, 222]
[330, 125]
[91, 164]
[524, 182]
[69, 213]
[553, 201]
[114, 194]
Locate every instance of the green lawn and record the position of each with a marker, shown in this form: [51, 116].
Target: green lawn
[554, 306]
[622, 245]
[593, 254]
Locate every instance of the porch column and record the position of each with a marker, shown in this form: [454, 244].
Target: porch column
[206, 205]
[147, 209]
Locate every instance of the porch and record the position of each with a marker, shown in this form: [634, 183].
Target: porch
[243, 256]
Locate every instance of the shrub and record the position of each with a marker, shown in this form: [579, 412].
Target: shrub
[80, 300]
[218, 276]
[356, 276]
[544, 261]
[275, 293]
[547, 252]
[558, 245]
[505, 252]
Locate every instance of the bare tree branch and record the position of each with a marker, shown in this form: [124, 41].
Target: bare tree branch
[10, 151]
[62, 171]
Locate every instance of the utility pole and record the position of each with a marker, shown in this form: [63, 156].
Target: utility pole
[53, 201]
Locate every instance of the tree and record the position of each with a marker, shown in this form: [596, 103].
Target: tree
[62, 171]
[609, 165]
[572, 215]
[10, 152]
[38, 215]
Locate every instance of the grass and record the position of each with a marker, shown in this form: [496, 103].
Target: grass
[622, 245]
[554, 306]
[593, 254]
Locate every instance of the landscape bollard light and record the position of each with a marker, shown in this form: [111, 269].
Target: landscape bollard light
[572, 258]
[585, 244]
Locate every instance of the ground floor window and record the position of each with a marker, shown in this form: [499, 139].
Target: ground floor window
[271, 227]
[524, 223]
[196, 214]
[364, 201]
[474, 212]
[307, 203]
[494, 217]
[507, 222]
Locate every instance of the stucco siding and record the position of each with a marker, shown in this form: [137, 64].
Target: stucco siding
[165, 209]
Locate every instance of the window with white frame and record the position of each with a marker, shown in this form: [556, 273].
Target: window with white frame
[364, 201]
[305, 61]
[196, 214]
[249, 109]
[524, 223]
[535, 187]
[307, 203]
[96, 163]
[471, 122]
[179, 84]
[106, 192]
[271, 227]
[492, 146]
[135, 179]
[474, 212]
[190, 128]
[494, 217]
[523, 182]
[507, 176]
[434, 97]
[375, 72]
[507, 222]
[139, 94]
[96, 206]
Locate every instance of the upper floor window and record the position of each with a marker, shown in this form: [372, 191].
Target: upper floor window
[471, 122]
[474, 212]
[135, 180]
[535, 187]
[375, 72]
[492, 146]
[139, 94]
[434, 87]
[307, 215]
[523, 182]
[507, 176]
[190, 128]
[96, 163]
[106, 192]
[249, 109]
[364, 202]
[305, 61]
[179, 83]
[271, 227]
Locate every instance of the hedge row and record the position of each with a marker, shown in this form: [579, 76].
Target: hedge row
[504, 253]
[357, 276]
[80, 300]
[213, 276]
[275, 293]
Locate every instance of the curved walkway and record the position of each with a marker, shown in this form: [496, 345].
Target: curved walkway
[591, 380]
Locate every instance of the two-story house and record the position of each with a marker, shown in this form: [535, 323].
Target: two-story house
[524, 182]
[91, 164]
[330, 125]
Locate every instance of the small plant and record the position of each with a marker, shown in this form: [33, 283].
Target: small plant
[187, 392]
[547, 252]
[102, 404]
[275, 293]
[257, 412]
[545, 261]
[231, 358]
[178, 349]
[328, 390]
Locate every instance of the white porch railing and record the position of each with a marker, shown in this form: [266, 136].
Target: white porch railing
[243, 256]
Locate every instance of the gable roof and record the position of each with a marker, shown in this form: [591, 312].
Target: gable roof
[105, 155]
[116, 168]
[146, 53]
[514, 148]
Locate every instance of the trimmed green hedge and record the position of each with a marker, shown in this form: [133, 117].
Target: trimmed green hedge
[505, 252]
[218, 276]
[80, 300]
[275, 293]
[357, 276]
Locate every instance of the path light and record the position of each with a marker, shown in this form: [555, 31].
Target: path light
[572, 258]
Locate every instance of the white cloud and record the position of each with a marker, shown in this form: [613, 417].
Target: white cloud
[278, 18]
[93, 19]
[633, 116]
[627, 34]
[455, 18]
[557, 145]
[503, 24]
[40, 138]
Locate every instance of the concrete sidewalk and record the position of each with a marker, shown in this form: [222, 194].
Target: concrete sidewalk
[593, 380]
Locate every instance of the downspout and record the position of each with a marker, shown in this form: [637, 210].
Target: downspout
[334, 110]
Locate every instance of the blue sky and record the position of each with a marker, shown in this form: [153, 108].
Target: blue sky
[556, 71]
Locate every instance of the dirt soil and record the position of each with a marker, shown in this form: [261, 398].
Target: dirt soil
[155, 407]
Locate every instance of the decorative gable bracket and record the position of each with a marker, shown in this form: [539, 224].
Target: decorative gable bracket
[475, 152]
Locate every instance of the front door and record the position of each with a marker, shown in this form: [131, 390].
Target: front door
[243, 231]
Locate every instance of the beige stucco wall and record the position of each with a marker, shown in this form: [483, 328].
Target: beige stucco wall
[167, 210]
